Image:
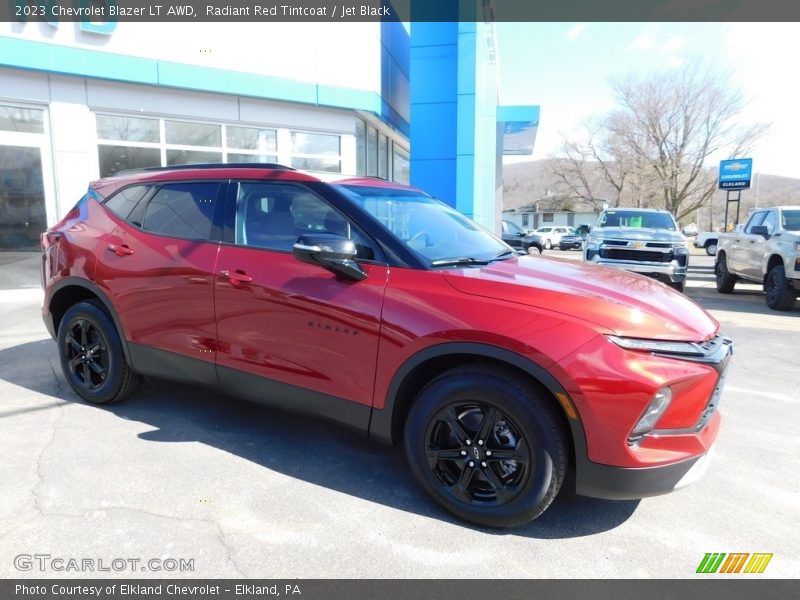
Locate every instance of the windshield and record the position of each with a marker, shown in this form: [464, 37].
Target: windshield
[426, 225]
[791, 220]
[637, 219]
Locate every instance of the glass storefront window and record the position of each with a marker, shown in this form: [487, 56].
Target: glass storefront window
[128, 129]
[22, 209]
[190, 157]
[235, 157]
[120, 158]
[251, 138]
[329, 165]
[193, 134]
[383, 157]
[361, 147]
[372, 152]
[315, 143]
[401, 165]
[24, 120]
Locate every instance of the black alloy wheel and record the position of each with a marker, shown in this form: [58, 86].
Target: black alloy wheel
[478, 454]
[86, 350]
[487, 444]
[91, 354]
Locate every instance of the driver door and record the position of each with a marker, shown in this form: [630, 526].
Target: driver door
[289, 332]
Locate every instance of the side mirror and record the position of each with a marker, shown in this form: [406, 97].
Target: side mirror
[330, 251]
[760, 230]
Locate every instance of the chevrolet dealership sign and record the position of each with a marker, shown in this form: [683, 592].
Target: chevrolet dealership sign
[735, 174]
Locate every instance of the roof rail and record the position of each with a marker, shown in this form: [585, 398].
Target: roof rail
[207, 166]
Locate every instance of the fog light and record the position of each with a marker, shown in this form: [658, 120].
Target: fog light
[653, 412]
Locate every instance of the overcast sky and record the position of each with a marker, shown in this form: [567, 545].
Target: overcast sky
[565, 68]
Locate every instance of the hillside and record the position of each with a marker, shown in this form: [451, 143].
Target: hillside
[533, 182]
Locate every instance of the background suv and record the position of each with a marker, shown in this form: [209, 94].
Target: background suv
[642, 240]
[376, 306]
[551, 235]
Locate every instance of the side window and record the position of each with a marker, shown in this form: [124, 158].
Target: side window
[123, 202]
[183, 210]
[274, 215]
[756, 219]
[770, 222]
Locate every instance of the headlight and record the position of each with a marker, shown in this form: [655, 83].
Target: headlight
[680, 247]
[656, 346]
[593, 243]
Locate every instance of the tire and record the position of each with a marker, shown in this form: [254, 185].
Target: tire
[548, 244]
[534, 249]
[679, 286]
[517, 420]
[725, 280]
[91, 355]
[711, 248]
[779, 293]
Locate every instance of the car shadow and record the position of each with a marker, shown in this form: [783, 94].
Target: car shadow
[307, 449]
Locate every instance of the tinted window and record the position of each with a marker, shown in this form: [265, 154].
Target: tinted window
[791, 220]
[183, 210]
[122, 203]
[274, 215]
[637, 219]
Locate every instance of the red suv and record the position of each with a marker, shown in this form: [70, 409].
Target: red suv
[374, 305]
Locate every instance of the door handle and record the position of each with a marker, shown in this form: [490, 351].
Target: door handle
[121, 250]
[237, 277]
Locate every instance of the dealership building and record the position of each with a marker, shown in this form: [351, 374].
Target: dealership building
[413, 104]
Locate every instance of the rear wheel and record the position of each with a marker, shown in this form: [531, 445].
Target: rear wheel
[711, 248]
[548, 244]
[91, 355]
[487, 446]
[725, 280]
[779, 292]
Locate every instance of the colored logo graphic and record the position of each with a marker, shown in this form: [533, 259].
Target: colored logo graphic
[736, 562]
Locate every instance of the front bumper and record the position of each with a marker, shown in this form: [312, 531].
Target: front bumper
[615, 482]
[619, 483]
[672, 270]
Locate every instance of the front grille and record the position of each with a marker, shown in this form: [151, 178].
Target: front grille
[635, 255]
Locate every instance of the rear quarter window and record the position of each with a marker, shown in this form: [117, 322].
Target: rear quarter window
[183, 210]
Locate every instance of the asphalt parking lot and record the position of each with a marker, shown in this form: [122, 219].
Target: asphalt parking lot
[182, 472]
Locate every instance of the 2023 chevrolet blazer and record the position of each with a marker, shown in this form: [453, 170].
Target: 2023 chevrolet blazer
[375, 305]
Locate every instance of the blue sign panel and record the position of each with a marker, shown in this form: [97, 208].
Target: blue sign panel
[735, 174]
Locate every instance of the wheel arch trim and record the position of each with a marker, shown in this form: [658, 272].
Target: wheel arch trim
[383, 422]
[104, 299]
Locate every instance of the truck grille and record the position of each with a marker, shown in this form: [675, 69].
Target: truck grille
[620, 253]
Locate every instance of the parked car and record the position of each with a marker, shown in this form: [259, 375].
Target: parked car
[518, 238]
[574, 240]
[767, 252]
[641, 240]
[690, 229]
[551, 235]
[707, 240]
[374, 305]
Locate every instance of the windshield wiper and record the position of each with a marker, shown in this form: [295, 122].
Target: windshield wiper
[505, 253]
[459, 260]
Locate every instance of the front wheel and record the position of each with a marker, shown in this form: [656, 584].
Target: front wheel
[487, 446]
[725, 280]
[779, 292]
[534, 249]
[711, 248]
[91, 355]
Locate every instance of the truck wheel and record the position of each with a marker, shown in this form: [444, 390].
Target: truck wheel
[779, 292]
[487, 446]
[711, 248]
[678, 285]
[725, 280]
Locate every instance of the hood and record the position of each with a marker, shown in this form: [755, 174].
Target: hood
[623, 303]
[638, 233]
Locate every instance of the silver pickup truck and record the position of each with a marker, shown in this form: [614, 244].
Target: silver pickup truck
[642, 240]
[766, 251]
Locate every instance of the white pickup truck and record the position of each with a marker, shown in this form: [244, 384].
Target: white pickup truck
[766, 251]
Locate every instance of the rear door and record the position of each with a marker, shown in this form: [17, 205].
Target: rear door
[158, 269]
[289, 332]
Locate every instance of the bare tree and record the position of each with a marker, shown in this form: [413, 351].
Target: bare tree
[652, 149]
